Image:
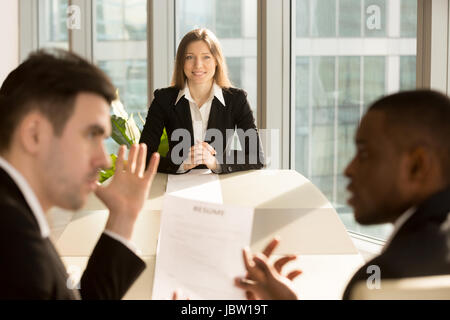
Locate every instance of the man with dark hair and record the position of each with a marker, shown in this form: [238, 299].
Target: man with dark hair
[55, 117]
[400, 175]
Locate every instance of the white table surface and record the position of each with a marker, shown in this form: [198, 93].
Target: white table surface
[305, 220]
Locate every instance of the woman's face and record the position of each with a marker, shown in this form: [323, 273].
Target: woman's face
[199, 63]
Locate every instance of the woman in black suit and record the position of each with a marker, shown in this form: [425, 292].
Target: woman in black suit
[201, 112]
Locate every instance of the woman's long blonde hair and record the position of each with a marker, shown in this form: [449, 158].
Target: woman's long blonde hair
[221, 74]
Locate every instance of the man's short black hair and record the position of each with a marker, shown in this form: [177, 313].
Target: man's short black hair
[48, 81]
[416, 118]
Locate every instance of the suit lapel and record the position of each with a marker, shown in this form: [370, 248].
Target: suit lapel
[216, 114]
[435, 209]
[183, 112]
[61, 269]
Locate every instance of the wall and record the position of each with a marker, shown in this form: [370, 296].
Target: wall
[9, 37]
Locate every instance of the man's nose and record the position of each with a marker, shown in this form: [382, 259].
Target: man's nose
[103, 158]
[348, 172]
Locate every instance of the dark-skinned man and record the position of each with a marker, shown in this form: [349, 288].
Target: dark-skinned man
[401, 175]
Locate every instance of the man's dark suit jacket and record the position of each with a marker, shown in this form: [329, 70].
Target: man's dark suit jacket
[420, 248]
[30, 267]
[236, 113]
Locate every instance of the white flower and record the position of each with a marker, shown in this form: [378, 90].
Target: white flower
[132, 130]
[118, 109]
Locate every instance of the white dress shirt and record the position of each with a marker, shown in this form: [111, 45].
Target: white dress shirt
[200, 115]
[36, 208]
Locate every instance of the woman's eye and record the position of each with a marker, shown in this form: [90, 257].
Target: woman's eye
[188, 57]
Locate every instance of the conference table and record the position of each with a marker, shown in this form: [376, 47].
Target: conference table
[286, 205]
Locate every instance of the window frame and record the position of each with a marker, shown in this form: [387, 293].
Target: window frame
[433, 39]
[274, 27]
[160, 31]
[28, 27]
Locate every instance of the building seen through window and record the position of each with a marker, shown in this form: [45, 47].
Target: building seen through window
[53, 32]
[348, 54]
[120, 48]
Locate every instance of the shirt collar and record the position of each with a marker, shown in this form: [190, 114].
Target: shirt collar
[216, 92]
[29, 195]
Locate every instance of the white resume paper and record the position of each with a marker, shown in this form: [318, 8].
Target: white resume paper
[200, 249]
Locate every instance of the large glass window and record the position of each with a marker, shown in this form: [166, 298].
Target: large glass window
[348, 54]
[53, 32]
[234, 23]
[119, 43]
[120, 49]
[350, 18]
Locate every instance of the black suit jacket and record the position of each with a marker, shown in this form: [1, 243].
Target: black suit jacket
[236, 113]
[420, 248]
[30, 267]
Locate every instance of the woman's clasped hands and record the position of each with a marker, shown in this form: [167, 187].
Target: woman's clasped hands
[201, 153]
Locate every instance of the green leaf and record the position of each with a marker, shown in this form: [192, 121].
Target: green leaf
[119, 130]
[163, 148]
[108, 173]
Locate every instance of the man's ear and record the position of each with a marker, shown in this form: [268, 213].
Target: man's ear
[34, 132]
[420, 162]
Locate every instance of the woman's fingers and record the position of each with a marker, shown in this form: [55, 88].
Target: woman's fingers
[190, 157]
[200, 153]
[209, 148]
[203, 146]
